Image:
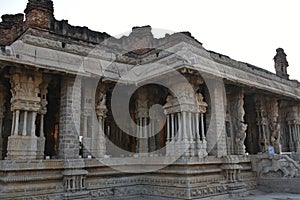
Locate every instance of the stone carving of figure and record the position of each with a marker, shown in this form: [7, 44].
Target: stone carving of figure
[199, 97]
[103, 101]
[30, 87]
[281, 63]
[202, 105]
[142, 107]
[275, 137]
[241, 136]
[101, 104]
[169, 99]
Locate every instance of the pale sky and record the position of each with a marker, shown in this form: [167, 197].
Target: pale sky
[245, 30]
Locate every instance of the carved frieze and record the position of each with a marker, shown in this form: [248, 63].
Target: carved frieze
[277, 166]
[25, 90]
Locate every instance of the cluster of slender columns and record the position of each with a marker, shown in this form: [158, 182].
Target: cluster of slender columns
[185, 128]
[294, 135]
[23, 121]
[192, 127]
[142, 134]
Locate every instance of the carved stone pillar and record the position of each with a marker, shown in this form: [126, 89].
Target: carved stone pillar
[42, 113]
[142, 119]
[2, 111]
[261, 119]
[173, 125]
[274, 125]
[100, 140]
[237, 112]
[293, 121]
[200, 128]
[88, 120]
[185, 123]
[216, 135]
[22, 144]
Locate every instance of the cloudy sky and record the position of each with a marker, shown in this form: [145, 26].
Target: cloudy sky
[245, 30]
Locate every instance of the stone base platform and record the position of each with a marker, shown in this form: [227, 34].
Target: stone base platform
[187, 178]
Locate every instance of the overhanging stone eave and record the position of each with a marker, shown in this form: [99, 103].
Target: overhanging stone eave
[10, 61]
[252, 80]
[262, 83]
[239, 73]
[54, 60]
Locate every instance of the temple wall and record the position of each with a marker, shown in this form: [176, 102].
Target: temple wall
[226, 172]
[50, 98]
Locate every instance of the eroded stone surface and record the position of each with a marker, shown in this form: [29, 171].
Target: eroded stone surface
[192, 120]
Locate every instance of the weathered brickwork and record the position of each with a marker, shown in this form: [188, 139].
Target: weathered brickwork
[10, 28]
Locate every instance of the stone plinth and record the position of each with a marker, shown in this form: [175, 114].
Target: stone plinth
[40, 147]
[22, 147]
[297, 146]
[87, 146]
[99, 148]
[202, 149]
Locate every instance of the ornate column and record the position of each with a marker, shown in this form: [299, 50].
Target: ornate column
[142, 118]
[89, 119]
[216, 134]
[100, 140]
[261, 120]
[22, 144]
[2, 111]
[172, 114]
[293, 121]
[185, 105]
[237, 112]
[200, 129]
[274, 125]
[185, 116]
[42, 113]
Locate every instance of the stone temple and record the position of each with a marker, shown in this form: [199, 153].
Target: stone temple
[84, 115]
